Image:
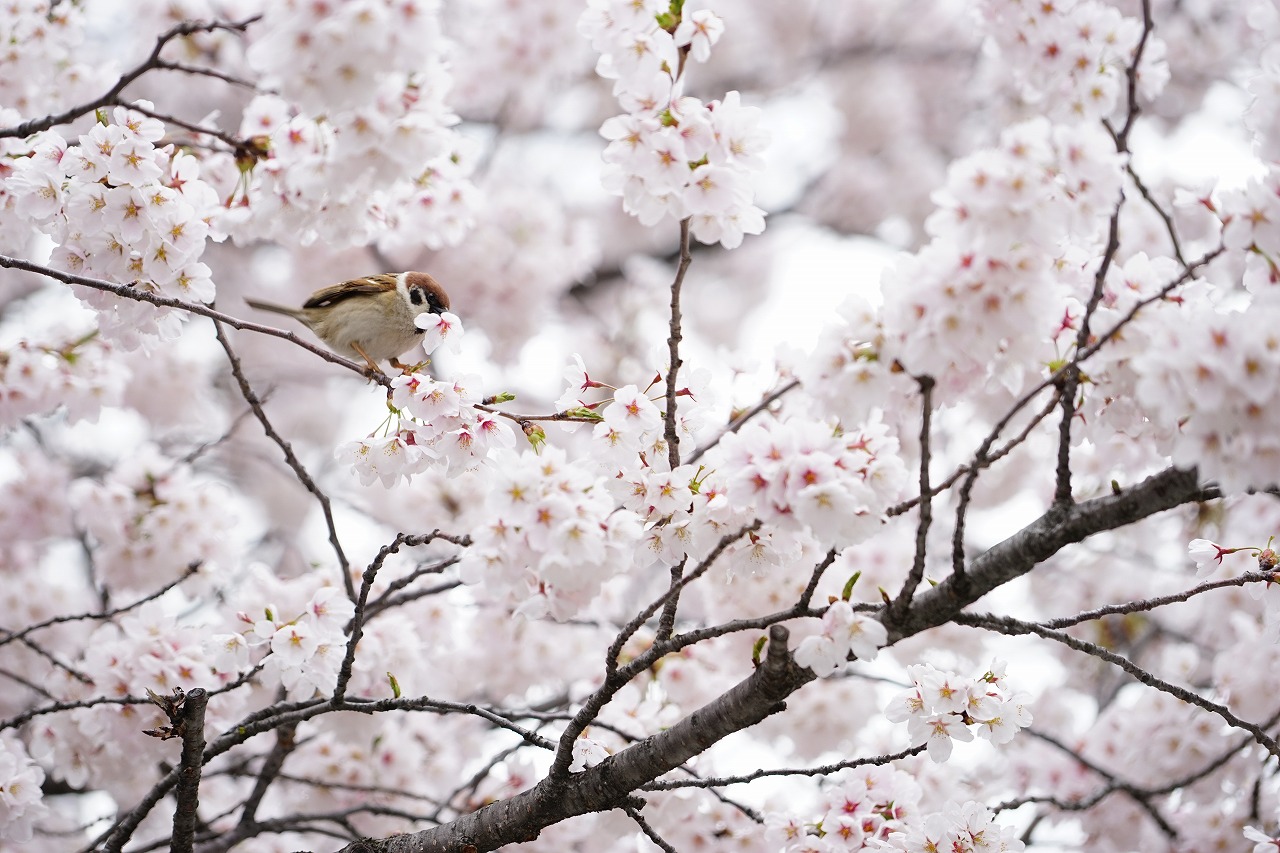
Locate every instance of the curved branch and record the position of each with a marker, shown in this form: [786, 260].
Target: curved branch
[186, 28]
[611, 783]
[126, 291]
[1060, 526]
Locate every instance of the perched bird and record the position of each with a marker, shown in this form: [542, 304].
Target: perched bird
[370, 317]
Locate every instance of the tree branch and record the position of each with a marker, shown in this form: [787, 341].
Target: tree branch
[127, 291]
[290, 458]
[185, 28]
[673, 348]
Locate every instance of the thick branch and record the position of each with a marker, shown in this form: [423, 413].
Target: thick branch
[610, 784]
[1062, 525]
[188, 793]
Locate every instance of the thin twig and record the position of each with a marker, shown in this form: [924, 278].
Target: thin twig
[987, 462]
[167, 65]
[233, 142]
[899, 606]
[823, 770]
[741, 419]
[649, 832]
[673, 348]
[290, 458]
[106, 99]
[1011, 626]
[1153, 603]
[107, 614]
[628, 630]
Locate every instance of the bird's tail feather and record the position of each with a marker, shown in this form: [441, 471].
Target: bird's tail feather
[271, 306]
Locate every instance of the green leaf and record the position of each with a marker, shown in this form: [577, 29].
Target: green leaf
[583, 413]
[537, 436]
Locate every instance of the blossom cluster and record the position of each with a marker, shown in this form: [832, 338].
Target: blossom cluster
[1109, 400]
[981, 299]
[552, 536]
[1251, 226]
[803, 474]
[844, 632]
[1263, 116]
[32, 499]
[671, 154]
[362, 105]
[941, 707]
[514, 58]
[1215, 382]
[445, 430]
[808, 482]
[862, 808]
[630, 425]
[303, 650]
[1071, 59]
[21, 798]
[123, 210]
[66, 368]
[146, 649]
[846, 374]
[150, 517]
[40, 69]
[960, 828]
[879, 808]
[437, 423]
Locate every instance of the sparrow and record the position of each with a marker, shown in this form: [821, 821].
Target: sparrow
[370, 317]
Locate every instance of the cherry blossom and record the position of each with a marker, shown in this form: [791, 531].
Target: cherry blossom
[423, 600]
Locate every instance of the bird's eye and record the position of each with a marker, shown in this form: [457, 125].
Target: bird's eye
[416, 296]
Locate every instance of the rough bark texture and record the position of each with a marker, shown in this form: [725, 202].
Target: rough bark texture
[613, 782]
[1044, 537]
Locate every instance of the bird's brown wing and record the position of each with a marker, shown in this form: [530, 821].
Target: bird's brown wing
[369, 284]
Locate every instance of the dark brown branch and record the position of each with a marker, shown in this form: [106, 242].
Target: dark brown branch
[1058, 527]
[186, 28]
[290, 458]
[127, 291]
[899, 606]
[611, 782]
[187, 795]
[673, 348]
[1013, 627]
[106, 614]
